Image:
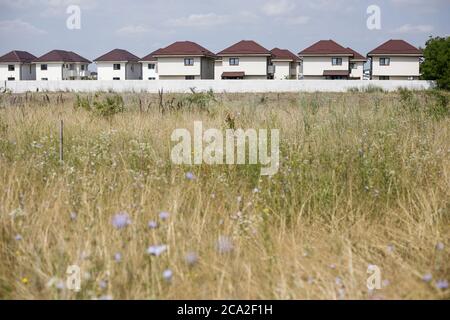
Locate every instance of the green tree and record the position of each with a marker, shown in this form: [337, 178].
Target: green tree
[437, 61]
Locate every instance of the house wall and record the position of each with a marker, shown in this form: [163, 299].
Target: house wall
[150, 73]
[285, 70]
[53, 72]
[105, 71]
[252, 66]
[5, 74]
[174, 67]
[399, 66]
[314, 66]
[359, 71]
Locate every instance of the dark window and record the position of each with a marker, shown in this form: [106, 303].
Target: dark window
[43, 67]
[190, 77]
[44, 79]
[234, 61]
[82, 67]
[352, 65]
[11, 79]
[189, 61]
[72, 67]
[116, 66]
[30, 69]
[116, 78]
[385, 61]
[336, 61]
[11, 67]
[151, 78]
[384, 77]
[151, 66]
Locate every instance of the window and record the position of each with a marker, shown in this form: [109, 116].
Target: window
[385, 61]
[116, 78]
[11, 79]
[151, 78]
[151, 66]
[72, 67]
[384, 77]
[352, 65]
[31, 69]
[234, 61]
[116, 66]
[43, 67]
[44, 79]
[11, 67]
[189, 61]
[336, 61]
[82, 67]
[190, 77]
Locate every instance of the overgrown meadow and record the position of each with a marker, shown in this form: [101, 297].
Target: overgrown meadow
[364, 181]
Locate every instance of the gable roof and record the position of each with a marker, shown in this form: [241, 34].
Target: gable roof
[17, 56]
[151, 56]
[183, 48]
[396, 47]
[245, 47]
[325, 47]
[283, 54]
[118, 55]
[61, 56]
[356, 55]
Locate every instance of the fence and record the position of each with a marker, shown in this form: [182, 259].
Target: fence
[232, 86]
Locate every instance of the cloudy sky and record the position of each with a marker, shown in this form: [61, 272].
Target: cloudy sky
[142, 26]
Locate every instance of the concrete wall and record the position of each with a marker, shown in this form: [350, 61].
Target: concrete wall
[149, 73]
[399, 66]
[204, 85]
[252, 66]
[314, 66]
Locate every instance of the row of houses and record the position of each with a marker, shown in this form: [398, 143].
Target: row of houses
[186, 60]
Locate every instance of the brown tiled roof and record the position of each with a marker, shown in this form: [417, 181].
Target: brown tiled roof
[396, 47]
[17, 56]
[235, 74]
[356, 55]
[325, 47]
[151, 56]
[283, 54]
[118, 55]
[336, 72]
[184, 48]
[61, 56]
[245, 47]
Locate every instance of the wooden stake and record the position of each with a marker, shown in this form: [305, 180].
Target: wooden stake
[61, 141]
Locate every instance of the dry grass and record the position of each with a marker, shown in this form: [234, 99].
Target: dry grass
[364, 179]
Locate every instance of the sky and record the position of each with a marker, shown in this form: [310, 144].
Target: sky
[142, 26]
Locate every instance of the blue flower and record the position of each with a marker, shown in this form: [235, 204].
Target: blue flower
[191, 258]
[118, 257]
[428, 277]
[156, 250]
[440, 246]
[121, 220]
[442, 284]
[167, 275]
[73, 216]
[190, 176]
[164, 215]
[224, 244]
[152, 224]
[18, 237]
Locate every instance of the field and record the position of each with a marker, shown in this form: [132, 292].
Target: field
[364, 180]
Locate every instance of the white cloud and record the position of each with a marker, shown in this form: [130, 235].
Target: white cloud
[298, 20]
[277, 7]
[19, 27]
[133, 30]
[408, 28]
[200, 20]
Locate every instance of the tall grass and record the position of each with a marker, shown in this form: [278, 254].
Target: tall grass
[364, 179]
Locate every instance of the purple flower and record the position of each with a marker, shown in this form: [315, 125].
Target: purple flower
[73, 216]
[60, 285]
[224, 245]
[164, 215]
[167, 275]
[440, 246]
[18, 237]
[103, 284]
[152, 224]
[156, 250]
[190, 176]
[390, 248]
[442, 284]
[191, 258]
[121, 220]
[428, 277]
[118, 257]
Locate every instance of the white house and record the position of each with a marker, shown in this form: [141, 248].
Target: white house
[16, 65]
[184, 60]
[244, 60]
[326, 59]
[395, 60]
[61, 65]
[356, 65]
[285, 63]
[118, 64]
[150, 67]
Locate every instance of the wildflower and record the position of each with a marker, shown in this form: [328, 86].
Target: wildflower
[60, 285]
[118, 257]
[164, 215]
[73, 216]
[256, 190]
[18, 237]
[121, 220]
[152, 224]
[224, 244]
[339, 281]
[440, 246]
[332, 266]
[239, 199]
[386, 283]
[442, 284]
[167, 275]
[103, 284]
[390, 248]
[25, 280]
[156, 250]
[190, 176]
[191, 258]
[428, 277]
